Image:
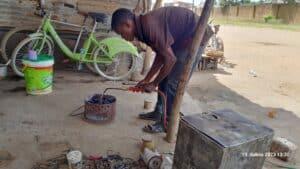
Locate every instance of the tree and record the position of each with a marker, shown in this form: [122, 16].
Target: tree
[289, 1]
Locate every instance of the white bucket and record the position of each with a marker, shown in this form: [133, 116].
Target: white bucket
[3, 71]
[74, 159]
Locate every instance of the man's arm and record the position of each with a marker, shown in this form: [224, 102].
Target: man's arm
[168, 60]
[157, 64]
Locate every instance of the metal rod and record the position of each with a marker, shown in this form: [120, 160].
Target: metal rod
[95, 26]
[78, 39]
[64, 23]
[198, 37]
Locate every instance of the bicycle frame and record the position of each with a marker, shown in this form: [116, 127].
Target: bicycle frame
[109, 47]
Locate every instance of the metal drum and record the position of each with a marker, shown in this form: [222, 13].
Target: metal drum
[100, 108]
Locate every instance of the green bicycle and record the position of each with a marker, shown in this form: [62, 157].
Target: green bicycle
[113, 58]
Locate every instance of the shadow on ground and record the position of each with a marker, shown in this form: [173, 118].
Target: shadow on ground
[213, 95]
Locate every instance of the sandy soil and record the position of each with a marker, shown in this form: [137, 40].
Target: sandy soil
[273, 56]
[33, 128]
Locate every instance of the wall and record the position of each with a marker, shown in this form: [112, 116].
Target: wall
[284, 12]
[263, 10]
[245, 12]
[21, 12]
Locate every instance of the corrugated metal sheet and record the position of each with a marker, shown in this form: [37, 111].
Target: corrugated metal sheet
[17, 13]
[21, 12]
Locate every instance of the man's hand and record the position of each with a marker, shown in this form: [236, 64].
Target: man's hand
[142, 82]
[145, 87]
[149, 87]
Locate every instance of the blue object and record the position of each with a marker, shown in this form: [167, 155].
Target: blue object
[32, 55]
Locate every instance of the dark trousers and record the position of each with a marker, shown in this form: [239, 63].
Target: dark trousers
[169, 85]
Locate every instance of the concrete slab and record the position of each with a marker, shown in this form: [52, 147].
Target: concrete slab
[28, 123]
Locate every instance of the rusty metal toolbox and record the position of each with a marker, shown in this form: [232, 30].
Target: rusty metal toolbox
[221, 140]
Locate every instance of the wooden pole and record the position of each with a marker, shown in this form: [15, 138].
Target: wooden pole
[201, 27]
[158, 4]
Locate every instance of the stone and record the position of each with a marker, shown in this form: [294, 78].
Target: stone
[283, 149]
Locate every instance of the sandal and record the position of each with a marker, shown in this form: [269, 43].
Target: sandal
[157, 127]
[154, 116]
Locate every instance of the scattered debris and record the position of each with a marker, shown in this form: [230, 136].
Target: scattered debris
[52, 149]
[283, 149]
[152, 159]
[5, 158]
[74, 159]
[52, 163]
[167, 162]
[272, 114]
[252, 73]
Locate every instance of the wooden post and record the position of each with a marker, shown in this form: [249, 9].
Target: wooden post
[158, 4]
[201, 27]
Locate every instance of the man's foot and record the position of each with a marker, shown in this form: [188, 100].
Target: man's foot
[157, 127]
[154, 116]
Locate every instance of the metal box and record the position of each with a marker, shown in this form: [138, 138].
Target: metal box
[221, 140]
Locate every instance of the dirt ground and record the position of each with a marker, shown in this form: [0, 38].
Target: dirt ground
[273, 56]
[34, 128]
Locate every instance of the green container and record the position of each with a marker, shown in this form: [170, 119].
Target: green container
[39, 75]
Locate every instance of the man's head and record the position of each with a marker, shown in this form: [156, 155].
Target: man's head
[122, 23]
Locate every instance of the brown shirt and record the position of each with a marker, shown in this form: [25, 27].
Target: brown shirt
[166, 27]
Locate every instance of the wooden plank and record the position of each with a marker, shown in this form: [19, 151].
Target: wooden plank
[100, 6]
[20, 12]
[201, 27]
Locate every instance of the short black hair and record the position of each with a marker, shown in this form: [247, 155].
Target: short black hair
[119, 16]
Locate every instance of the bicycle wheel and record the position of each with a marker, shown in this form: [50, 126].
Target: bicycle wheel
[90, 66]
[13, 36]
[31, 43]
[121, 67]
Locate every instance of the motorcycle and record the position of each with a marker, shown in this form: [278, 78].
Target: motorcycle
[214, 51]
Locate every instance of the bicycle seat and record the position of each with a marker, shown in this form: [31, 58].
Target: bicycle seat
[98, 17]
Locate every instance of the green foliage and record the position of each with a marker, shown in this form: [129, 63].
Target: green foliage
[289, 1]
[225, 3]
[268, 18]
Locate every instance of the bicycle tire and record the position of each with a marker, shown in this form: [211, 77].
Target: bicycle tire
[91, 66]
[101, 73]
[19, 46]
[8, 35]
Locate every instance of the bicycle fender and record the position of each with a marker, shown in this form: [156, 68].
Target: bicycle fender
[117, 45]
[38, 34]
